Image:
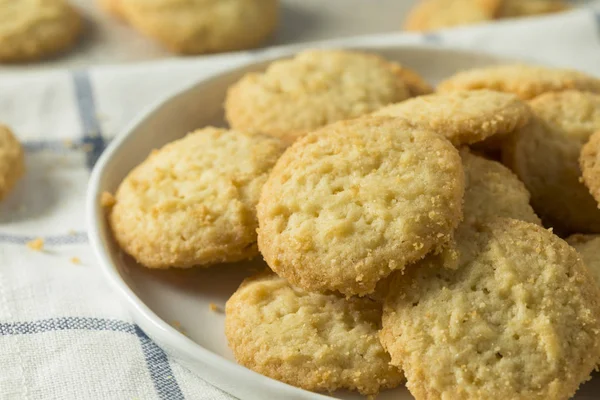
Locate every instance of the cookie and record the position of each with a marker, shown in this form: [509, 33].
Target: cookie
[319, 342]
[205, 26]
[492, 190]
[348, 204]
[518, 318]
[527, 8]
[464, 117]
[315, 88]
[545, 154]
[192, 203]
[34, 29]
[12, 163]
[526, 81]
[428, 15]
[588, 246]
[589, 161]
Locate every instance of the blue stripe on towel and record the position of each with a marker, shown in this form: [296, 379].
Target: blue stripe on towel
[157, 362]
[86, 104]
[58, 240]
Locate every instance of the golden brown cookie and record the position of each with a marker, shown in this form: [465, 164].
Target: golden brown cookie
[204, 26]
[544, 155]
[588, 246]
[319, 342]
[526, 81]
[492, 190]
[348, 204]
[517, 318]
[192, 203]
[12, 163]
[464, 117]
[313, 89]
[589, 161]
[428, 15]
[527, 8]
[34, 29]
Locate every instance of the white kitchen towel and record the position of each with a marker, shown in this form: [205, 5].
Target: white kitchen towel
[63, 333]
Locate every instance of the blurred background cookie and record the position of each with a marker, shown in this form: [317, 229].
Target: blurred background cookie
[429, 15]
[35, 29]
[205, 26]
[527, 8]
[12, 163]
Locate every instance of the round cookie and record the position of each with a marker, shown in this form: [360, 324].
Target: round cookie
[492, 190]
[319, 342]
[464, 117]
[192, 203]
[526, 81]
[588, 246]
[527, 8]
[428, 15]
[350, 203]
[34, 29]
[315, 88]
[12, 163]
[517, 318]
[589, 161]
[545, 154]
[204, 26]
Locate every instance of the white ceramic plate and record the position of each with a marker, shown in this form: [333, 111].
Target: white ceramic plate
[158, 299]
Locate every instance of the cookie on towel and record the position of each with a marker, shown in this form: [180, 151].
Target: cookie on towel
[518, 317]
[192, 203]
[34, 29]
[319, 342]
[428, 15]
[315, 88]
[348, 204]
[464, 117]
[545, 154]
[526, 81]
[12, 163]
[203, 26]
[527, 8]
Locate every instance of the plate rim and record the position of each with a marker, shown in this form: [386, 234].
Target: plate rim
[140, 312]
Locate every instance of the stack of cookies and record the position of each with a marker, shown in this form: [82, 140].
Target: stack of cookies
[201, 26]
[399, 248]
